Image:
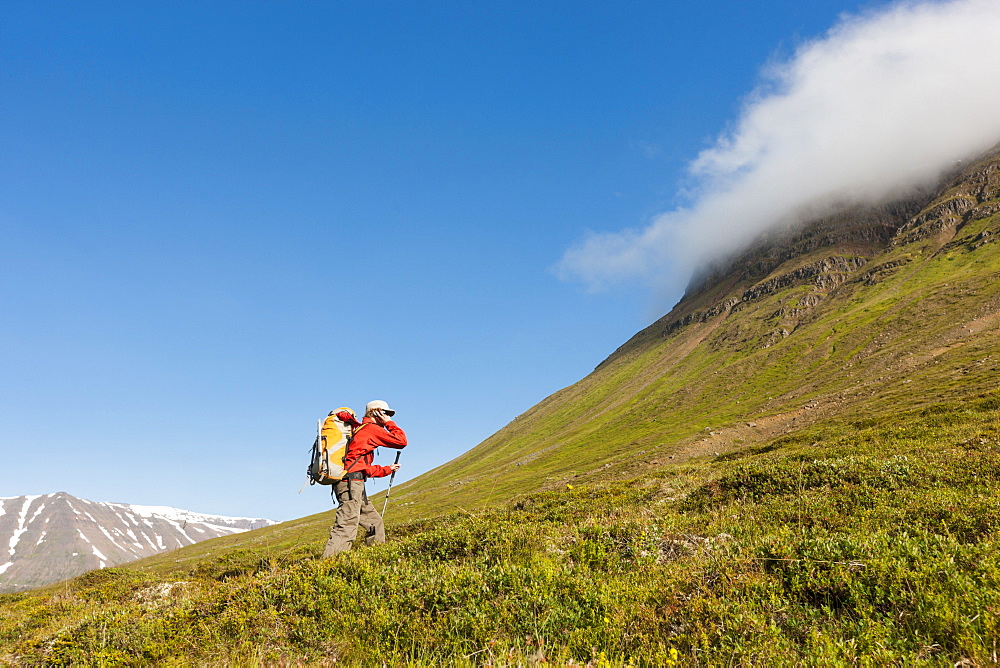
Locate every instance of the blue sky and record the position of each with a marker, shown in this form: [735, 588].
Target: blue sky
[220, 220]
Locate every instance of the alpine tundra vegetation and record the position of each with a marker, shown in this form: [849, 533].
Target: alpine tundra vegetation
[800, 464]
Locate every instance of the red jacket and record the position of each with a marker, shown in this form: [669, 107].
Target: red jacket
[367, 437]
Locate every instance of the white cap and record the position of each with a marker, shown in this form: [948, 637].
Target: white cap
[378, 403]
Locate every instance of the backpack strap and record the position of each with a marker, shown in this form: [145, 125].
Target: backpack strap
[350, 439]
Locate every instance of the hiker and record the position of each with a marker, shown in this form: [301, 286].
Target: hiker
[376, 429]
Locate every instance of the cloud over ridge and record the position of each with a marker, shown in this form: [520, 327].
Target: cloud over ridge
[883, 102]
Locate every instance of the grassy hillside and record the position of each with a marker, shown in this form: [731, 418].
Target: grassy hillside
[799, 464]
[870, 540]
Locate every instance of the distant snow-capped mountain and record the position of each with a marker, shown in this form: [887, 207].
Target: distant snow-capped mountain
[56, 536]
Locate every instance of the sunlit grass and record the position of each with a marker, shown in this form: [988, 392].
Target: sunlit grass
[868, 541]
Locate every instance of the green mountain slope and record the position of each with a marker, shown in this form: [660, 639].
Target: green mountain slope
[800, 464]
[864, 312]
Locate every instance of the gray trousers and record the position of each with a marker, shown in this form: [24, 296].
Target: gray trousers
[354, 509]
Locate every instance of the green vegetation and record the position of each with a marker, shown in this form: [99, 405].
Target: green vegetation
[870, 541]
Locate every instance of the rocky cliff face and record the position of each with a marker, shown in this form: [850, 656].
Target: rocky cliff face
[49, 538]
[831, 250]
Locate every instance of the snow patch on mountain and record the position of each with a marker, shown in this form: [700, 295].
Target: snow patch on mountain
[21, 528]
[177, 514]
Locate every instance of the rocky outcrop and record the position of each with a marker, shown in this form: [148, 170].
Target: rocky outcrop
[972, 196]
[866, 230]
[831, 250]
[826, 274]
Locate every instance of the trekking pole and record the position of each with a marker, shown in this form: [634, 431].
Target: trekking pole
[391, 478]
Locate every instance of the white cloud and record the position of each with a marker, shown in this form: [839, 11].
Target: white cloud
[883, 102]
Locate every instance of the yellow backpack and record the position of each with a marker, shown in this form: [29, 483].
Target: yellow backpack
[329, 451]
